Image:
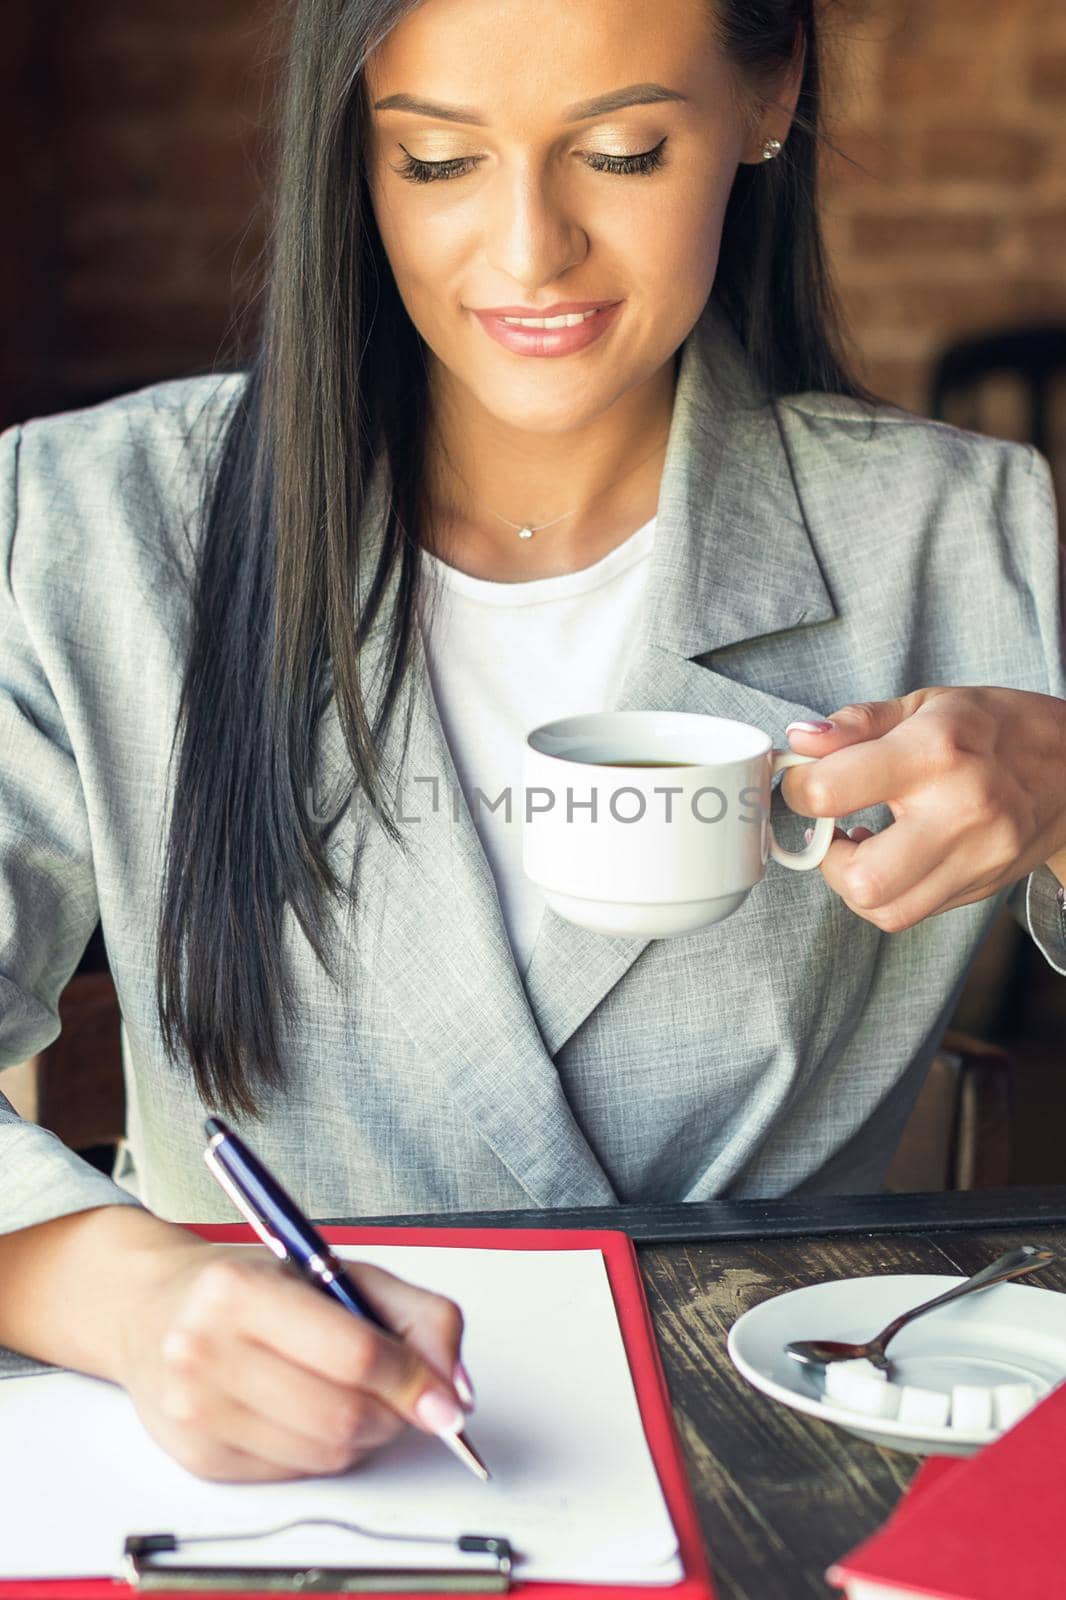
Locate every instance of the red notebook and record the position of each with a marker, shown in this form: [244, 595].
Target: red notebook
[990, 1527]
[649, 1382]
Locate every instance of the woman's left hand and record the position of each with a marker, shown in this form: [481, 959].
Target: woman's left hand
[975, 778]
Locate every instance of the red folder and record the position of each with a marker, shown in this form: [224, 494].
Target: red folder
[985, 1528]
[649, 1382]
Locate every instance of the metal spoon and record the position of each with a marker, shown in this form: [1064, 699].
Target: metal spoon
[820, 1352]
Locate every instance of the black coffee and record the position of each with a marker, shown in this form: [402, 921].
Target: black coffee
[642, 763]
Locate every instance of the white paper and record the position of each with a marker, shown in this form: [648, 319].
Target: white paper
[573, 1483]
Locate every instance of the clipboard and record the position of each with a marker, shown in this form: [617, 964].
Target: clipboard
[653, 1401]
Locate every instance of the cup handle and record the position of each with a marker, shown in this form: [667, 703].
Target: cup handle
[814, 853]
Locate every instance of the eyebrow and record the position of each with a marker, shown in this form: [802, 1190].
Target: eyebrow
[634, 94]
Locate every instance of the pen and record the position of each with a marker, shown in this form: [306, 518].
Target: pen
[284, 1229]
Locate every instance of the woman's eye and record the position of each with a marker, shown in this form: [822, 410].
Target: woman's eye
[428, 171]
[416, 171]
[647, 161]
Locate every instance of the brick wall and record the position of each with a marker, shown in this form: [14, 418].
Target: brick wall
[956, 110]
[144, 153]
[161, 156]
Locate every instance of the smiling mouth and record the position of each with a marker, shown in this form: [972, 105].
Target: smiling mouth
[569, 319]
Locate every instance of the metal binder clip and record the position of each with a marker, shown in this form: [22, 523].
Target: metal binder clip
[145, 1574]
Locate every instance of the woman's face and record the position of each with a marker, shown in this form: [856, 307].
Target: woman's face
[522, 207]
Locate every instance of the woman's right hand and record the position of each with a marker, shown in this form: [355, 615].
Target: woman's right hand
[242, 1371]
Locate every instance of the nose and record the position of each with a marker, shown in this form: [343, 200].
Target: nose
[532, 236]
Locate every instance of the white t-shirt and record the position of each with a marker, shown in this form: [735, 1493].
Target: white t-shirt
[505, 657]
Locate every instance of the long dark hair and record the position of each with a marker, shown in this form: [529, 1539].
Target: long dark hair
[337, 376]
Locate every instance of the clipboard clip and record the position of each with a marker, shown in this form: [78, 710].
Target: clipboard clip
[146, 1574]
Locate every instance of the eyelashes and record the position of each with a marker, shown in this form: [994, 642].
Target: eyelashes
[647, 161]
[416, 171]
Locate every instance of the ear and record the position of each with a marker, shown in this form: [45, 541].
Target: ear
[777, 108]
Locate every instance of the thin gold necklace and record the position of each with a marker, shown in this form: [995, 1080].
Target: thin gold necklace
[526, 530]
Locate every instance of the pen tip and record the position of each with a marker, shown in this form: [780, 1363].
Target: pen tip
[460, 1444]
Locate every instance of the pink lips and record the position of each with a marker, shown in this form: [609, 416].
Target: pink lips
[547, 341]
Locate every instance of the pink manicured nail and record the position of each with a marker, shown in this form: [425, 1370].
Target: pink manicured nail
[463, 1387]
[808, 835]
[809, 727]
[439, 1414]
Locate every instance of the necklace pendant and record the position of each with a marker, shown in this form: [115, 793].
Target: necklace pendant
[525, 533]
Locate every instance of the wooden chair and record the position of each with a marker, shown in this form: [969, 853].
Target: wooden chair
[1032, 356]
[1009, 382]
[958, 1134]
[957, 1137]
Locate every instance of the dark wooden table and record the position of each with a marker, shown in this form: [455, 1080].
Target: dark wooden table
[781, 1495]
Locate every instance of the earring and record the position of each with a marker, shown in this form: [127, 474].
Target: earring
[770, 149]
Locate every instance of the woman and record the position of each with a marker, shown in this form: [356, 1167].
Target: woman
[686, 504]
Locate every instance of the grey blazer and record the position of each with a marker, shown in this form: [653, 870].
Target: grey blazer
[805, 556]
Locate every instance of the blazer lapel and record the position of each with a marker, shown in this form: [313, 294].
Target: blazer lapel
[428, 930]
[731, 560]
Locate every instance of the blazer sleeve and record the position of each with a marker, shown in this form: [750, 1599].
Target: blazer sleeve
[1029, 527]
[48, 899]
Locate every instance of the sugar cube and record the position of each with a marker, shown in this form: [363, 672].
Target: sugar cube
[923, 1408]
[862, 1368]
[1010, 1401]
[971, 1407]
[860, 1386]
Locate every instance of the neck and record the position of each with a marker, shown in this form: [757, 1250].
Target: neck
[601, 481]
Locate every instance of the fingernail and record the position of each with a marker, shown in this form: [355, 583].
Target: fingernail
[809, 727]
[852, 832]
[808, 835]
[439, 1414]
[463, 1387]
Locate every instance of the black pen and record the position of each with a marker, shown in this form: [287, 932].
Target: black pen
[284, 1229]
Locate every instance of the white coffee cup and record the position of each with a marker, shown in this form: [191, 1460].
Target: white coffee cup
[653, 850]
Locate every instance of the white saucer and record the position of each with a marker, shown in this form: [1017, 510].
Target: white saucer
[1010, 1334]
